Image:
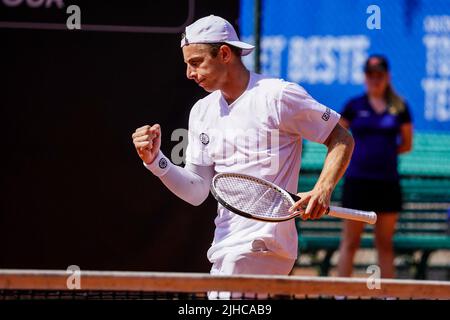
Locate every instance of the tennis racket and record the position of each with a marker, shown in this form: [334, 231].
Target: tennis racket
[262, 200]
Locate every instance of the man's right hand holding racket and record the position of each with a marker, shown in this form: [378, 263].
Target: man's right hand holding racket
[147, 141]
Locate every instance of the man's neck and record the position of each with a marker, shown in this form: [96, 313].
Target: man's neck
[236, 84]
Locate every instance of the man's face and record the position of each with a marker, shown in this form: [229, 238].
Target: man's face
[207, 71]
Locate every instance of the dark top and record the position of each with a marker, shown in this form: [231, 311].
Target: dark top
[376, 140]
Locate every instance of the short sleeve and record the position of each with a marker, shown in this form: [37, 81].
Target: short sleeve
[405, 115]
[348, 112]
[302, 115]
[196, 151]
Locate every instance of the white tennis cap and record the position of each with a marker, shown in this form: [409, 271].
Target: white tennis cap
[214, 29]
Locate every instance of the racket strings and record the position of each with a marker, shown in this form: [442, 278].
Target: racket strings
[252, 196]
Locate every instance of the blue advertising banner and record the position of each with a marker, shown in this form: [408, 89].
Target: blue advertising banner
[323, 44]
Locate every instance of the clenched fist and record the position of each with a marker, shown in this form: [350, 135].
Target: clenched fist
[147, 141]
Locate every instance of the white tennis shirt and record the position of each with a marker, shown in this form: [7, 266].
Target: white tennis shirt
[259, 134]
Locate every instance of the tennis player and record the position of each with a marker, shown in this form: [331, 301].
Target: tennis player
[241, 101]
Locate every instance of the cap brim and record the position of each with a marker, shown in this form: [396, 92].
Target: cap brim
[246, 48]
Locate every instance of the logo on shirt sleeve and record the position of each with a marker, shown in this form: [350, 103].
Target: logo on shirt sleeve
[204, 138]
[326, 115]
[162, 163]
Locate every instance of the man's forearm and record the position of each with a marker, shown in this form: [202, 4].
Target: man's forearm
[340, 148]
[190, 183]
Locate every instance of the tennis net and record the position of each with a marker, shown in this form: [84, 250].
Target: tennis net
[119, 285]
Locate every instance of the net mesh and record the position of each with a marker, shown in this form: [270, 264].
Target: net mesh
[102, 285]
[252, 196]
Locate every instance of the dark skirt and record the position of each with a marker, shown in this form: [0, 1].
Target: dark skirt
[372, 195]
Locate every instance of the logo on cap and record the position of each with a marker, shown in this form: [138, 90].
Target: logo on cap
[184, 39]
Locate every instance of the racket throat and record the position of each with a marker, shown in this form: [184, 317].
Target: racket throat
[294, 197]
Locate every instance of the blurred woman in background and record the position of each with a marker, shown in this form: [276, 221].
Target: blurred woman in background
[380, 122]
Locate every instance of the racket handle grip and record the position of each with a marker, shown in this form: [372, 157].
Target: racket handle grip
[369, 217]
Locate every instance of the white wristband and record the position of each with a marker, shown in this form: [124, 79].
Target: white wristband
[160, 165]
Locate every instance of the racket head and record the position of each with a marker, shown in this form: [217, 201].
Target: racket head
[252, 197]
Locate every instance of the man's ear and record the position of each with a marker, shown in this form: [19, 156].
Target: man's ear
[225, 53]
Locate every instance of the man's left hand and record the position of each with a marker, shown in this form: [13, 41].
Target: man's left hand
[314, 203]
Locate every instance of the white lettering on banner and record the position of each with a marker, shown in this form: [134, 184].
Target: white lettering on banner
[436, 24]
[313, 60]
[271, 49]
[437, 99]
[436, 84]
[327, 59]
[438, 55]
[34, 3]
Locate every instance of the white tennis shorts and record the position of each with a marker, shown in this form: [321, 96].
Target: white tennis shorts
[258, 261]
